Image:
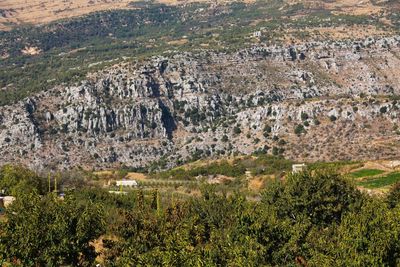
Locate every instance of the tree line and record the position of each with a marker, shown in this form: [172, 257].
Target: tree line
[313, 218]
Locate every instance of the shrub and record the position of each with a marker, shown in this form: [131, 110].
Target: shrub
[237, 130]
[304, 116]
[299, 129]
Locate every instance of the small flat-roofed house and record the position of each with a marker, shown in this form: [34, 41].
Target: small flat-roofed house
[257, 34]
[296, 168]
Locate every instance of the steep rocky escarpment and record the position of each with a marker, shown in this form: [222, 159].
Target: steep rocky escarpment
[316, 101]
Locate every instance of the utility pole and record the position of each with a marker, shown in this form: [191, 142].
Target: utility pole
[58, 175]
[49, 180]
[158, 203]
[55, 183]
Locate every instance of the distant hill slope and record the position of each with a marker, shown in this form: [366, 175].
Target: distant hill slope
[15, 12]
[33, 58]
[18, 12]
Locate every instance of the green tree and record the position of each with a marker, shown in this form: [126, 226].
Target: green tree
[321, 196]
[17, 180]
[46, 231]
[393, 197]
[369, 237]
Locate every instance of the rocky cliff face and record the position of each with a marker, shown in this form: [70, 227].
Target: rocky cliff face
[319, 101]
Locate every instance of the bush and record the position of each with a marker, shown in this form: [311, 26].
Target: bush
[237, 130]
[299, 129]
[304, 116]
[267, 129]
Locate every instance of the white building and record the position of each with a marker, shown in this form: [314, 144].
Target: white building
[6, 201]
[127, 183]
[257, 34]
[296, 168]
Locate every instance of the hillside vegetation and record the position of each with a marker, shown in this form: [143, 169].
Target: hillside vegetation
[64, 51]
[18, 12]
[14, 13]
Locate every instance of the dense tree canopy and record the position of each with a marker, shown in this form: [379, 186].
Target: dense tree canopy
[393, 198]
[17, 180]
[47, 231]
[321, 197]
[309, 219]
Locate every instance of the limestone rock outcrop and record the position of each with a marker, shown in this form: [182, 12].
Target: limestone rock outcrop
[341, 97]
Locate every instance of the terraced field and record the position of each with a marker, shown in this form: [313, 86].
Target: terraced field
[377, 176]
[382, 181]
[366, 173]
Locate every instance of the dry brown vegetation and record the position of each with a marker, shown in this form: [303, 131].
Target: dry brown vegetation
[44, 11]
[351, 7]
[17, 12]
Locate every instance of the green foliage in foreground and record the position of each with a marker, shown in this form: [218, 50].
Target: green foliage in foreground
[379, 182]
[366, 173]
[17, 180]
[45, 231]
[313, 219]
[393, 198]
[322, 198]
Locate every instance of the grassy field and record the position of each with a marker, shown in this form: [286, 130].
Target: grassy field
[380, 182]
[365, 173]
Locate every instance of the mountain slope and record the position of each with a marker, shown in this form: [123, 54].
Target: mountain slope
[33, 58]
[317, 101]
[19, 12]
